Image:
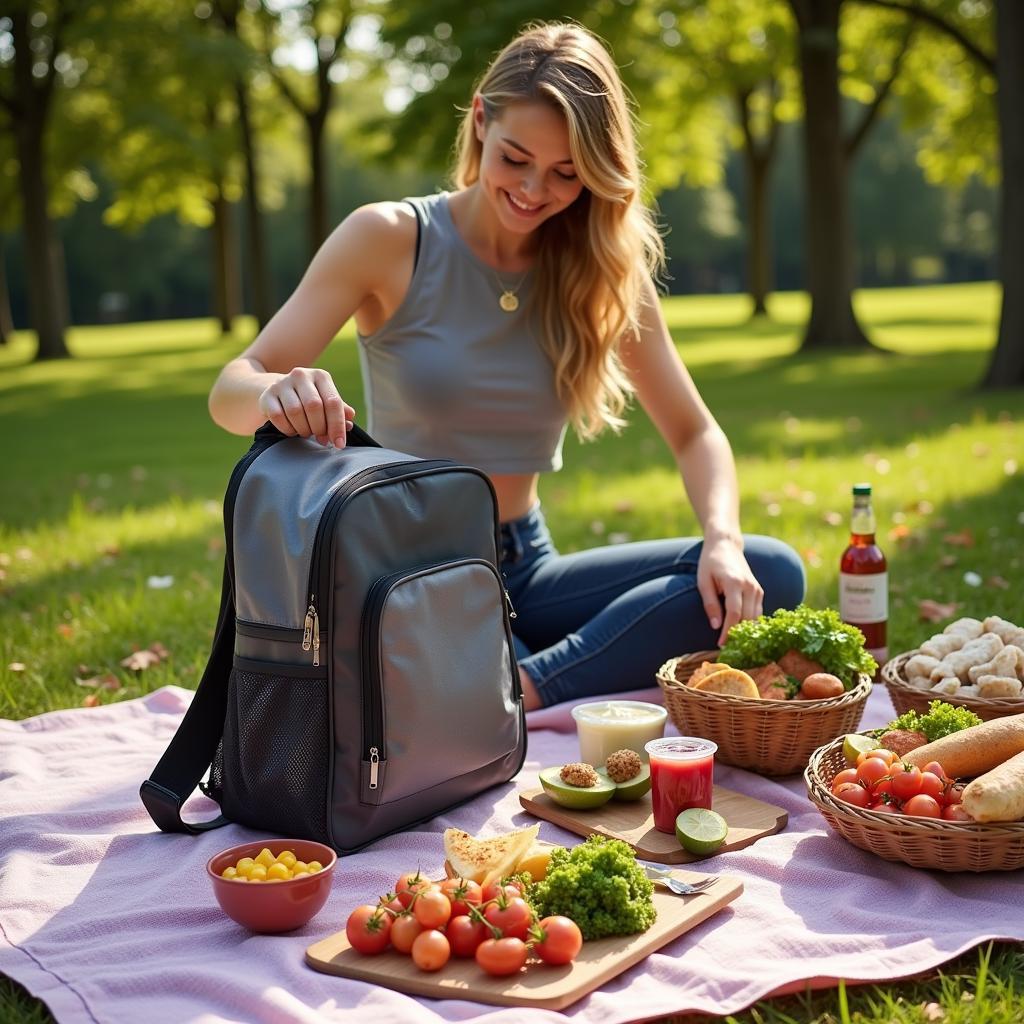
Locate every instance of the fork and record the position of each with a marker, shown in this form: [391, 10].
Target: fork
[676, 885]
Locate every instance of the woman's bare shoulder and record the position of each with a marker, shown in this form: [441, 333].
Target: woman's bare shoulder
[378, 229]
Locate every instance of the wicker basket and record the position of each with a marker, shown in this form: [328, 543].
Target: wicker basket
[919, 842]
[906, 697]
[771, 737]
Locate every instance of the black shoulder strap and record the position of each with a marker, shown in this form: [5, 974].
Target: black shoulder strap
[194, 744]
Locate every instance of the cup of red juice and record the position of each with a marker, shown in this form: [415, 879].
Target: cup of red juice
[682, 775]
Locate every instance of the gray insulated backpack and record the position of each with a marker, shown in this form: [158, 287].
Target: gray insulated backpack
[362, 676]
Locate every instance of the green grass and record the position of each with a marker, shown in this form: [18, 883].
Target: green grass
[113, 473]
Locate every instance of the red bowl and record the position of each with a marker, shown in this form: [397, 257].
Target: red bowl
[270, 907]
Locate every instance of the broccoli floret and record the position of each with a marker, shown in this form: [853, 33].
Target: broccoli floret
[600, 886]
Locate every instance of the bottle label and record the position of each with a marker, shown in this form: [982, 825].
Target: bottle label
[863, 599]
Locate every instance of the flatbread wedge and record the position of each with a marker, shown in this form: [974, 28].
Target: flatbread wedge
[729, 681]
[484, 860]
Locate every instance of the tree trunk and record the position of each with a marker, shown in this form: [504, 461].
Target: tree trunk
[226, 290]
[259, 275]
[318, 201]
[829, 250]
[1007, 366]
[759, 252]
[6, 320]
[44, 292]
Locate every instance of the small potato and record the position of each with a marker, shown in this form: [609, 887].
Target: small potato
[820, 685]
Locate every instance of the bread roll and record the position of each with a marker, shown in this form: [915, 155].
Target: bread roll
[967, 628]
[997, 795]
[975, 750]
[941, 645]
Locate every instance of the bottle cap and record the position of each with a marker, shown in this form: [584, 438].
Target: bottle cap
[862, 489]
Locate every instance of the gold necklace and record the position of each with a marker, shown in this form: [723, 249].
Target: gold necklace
[509, 300]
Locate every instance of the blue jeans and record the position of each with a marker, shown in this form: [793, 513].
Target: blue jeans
[605, 620]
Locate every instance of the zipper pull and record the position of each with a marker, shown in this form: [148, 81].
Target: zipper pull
[307, 628]
[316, 637]
[374, 762]
[511, 610]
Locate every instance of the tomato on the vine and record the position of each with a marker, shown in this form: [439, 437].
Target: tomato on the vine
[932, 785]
[430, 950]
[511, 888]
[465, 935]
[879, 753]
[906, 780]
[512, 916]
[368, 929]
[872, 770]
[955, 794]
[923, 806]
[463, 893]
[501, 956]
[432, 908]
[409, 884]
[853, 793]
[846, 775]
[558, 939]
[404, 931]
[936, 769]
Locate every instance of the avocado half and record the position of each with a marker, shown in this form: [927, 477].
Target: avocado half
[578, 797]
[631, 789]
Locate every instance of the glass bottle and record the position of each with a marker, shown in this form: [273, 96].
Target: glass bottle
[864, 578]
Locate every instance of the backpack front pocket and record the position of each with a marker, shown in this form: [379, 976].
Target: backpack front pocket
[276, 748]
[438, 687]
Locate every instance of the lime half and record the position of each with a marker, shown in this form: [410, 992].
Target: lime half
[701, 831]
[855, 744]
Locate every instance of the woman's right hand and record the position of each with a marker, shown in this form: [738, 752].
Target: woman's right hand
[305, 402]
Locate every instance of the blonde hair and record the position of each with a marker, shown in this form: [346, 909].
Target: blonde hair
[594, 255]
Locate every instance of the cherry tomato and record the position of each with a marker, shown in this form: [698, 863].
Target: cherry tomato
[872, 770]
[923, 806]
[409, 884]
[906, 781]
[465, 935]
[368, 929]
[846, 775]
[880, 752]
[955, 793]
[501, 956]
[432, 908]
[463, 893]
[430, 950]
[512, 916]
[558, 940]
[955, 812]
[389, 901]
[404, 930]
[936, 769]
[932, 785]
[884, 808]
[883, 788]
[853, 793]
[511, 889]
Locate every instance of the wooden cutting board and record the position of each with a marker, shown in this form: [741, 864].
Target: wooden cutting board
[538, 985]
[749, 820]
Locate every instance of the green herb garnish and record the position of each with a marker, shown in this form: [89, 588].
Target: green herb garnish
[600, 886]
[941, 720]
[821, 635]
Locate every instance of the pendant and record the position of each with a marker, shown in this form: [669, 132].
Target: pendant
[508, 302]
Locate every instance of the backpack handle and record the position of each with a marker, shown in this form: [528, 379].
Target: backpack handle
[356, 436]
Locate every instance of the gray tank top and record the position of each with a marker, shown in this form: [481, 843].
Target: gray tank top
[451, 374]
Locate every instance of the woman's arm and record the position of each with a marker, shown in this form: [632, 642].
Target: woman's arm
[273, 378]
[701, 450]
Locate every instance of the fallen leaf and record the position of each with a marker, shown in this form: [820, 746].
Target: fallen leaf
[947, 561]
[159, 650]
[110, 550]
[998, 582]
[138, 661]
[963, 539]
[107, 681]
[623, 507]
[979, 449]
[900, 532]
[83, 670]
[16, 666]
[932, 1011]
[91, 701]
[933, 611]
[66, 630]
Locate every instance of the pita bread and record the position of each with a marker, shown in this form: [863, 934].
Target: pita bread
[706, 669]
[483, 860]
[729, 681]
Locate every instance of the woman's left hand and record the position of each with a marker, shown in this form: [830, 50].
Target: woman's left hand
[723, 576]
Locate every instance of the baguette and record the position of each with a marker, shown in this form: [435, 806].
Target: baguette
[997, 795]
[976, 750]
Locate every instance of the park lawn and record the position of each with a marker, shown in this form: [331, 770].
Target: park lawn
[113, 477]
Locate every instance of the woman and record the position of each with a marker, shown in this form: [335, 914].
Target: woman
[488, 318]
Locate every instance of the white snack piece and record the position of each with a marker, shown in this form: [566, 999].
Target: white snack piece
[919, 666]
[948, 686]
[968, 691]
[1008, 663]
[967, 628]
[941, 645]
[1003, 628]
[995, 687]
[958, 663]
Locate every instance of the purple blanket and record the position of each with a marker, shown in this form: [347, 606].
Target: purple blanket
[106, 920]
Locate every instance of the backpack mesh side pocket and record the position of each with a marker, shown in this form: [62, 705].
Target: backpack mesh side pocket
[275, 752]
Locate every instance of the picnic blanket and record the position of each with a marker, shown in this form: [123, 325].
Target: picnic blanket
[107, 920]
